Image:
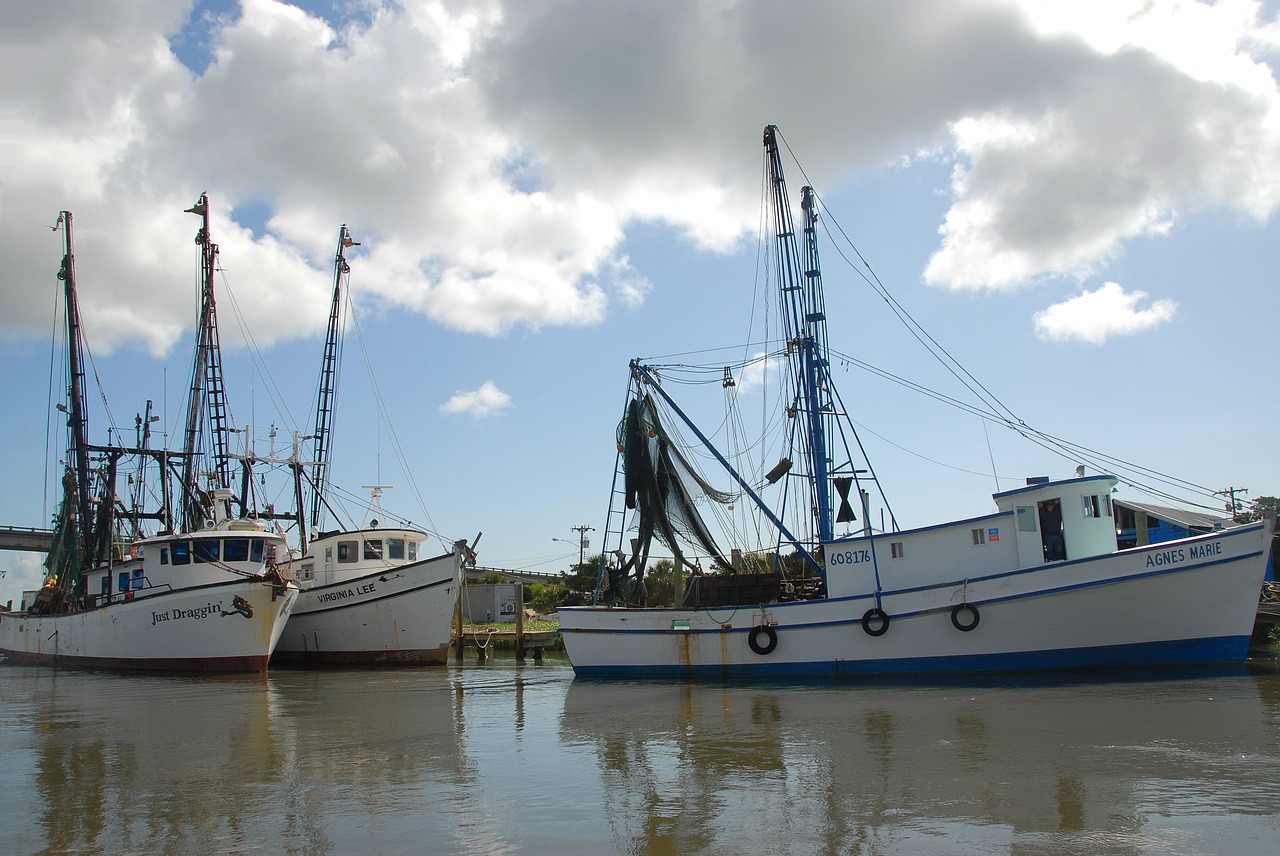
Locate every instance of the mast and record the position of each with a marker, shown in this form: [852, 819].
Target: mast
[207, 399]
[804, 325]
[329, 381]
[142, 440]
[77, 420]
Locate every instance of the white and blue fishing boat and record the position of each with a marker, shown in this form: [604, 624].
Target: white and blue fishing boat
[1036, 584]
[203, 592]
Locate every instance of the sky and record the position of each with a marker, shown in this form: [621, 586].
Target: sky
[1076, 199]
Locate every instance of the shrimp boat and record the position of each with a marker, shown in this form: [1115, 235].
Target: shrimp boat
[201, 595]
[369, 596]
[1038, 584]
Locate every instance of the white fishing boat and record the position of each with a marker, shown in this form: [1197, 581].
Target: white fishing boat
[1038, 584]
[370, 596]
[202, 596]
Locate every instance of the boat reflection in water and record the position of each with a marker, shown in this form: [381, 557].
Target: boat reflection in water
[229, 763]
[1125, 767]
[499, 758]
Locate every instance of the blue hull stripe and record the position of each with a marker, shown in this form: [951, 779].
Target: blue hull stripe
[1184, 652]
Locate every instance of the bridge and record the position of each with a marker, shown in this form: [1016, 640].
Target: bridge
[26, 538]
[512, 576]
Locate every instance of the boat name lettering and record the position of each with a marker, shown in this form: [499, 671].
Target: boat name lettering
[329, 596]
[1182, 554]
[1204, 551]
[850, 557]
[195, 613]
[1166, 557]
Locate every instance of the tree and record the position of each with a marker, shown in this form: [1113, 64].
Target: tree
[579, 582]
[1260, 508]
[660, 583]
[544, 597]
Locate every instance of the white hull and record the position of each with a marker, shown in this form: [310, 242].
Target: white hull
[394, 615]
[1184, 602]
[227, 627]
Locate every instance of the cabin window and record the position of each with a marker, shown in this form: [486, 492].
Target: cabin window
[235, 549]
[1091, 506]
[307, 571]
[979, 536]
[205, 550]
[895, 549]
[1106, 504]
[256, 546]
[328, 557]
[137, 579]
[413, 551]
[182, 552]
[347, 551]
[122, 581]
[1026, 518]
[373, 549]
[164, 555]
[106, 584]
[395, 548]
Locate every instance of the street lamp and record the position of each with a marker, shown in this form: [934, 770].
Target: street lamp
[581, 547]
[582, 542]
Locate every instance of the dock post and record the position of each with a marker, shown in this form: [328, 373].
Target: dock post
[457, 627]
[519, 622]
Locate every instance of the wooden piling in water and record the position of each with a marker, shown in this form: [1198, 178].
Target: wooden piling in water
[457, 627]
[519, 622]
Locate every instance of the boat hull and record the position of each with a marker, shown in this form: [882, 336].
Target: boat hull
[1180, 603]
[396, 616]
[224, 627]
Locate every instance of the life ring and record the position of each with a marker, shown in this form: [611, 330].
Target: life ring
[955, 617]
[875, 614]
[770, 635]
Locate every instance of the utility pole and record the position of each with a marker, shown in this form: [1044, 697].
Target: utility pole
[582, 541]
[1234, 506]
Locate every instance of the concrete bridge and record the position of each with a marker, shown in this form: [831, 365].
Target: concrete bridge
[25, 538]
[512, 576]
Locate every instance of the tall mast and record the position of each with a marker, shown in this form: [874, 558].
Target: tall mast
[77, 420]
[142, 440]
[329, 380]
[805, 328]
[207, 398]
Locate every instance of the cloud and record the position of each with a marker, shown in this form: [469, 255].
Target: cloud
[1147, 112]
[480, 403]
[759, 371]
[1095, 316]
[491, 156]
[22, 572]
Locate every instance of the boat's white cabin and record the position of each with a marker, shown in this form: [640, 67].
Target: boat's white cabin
[338, 556]
[228, 549]
[1045, 521]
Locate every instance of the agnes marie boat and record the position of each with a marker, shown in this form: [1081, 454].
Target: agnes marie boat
[1038, 584]
[202, 596]
[369, 596]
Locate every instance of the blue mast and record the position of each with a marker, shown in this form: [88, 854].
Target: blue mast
[805, 327]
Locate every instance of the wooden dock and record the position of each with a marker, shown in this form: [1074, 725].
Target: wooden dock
[483, 638]
[1267, 620]
[483, 641]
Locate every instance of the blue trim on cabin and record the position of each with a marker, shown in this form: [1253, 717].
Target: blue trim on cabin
[1042, 485]
[890, 536]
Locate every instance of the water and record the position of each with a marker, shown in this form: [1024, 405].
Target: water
[500, 759]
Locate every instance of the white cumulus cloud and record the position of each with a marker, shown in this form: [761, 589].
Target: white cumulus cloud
[480, 403]
[1095, 316]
